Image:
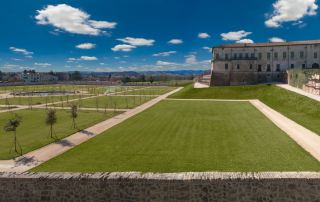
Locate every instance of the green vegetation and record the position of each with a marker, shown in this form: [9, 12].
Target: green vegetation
[118, 102]
[150, 91]
[33, 132]
[301, 109]
[38, 100]
[176, 136]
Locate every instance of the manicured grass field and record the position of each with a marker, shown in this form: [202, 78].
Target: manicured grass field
[33, 133]
[300, 109]
[38, 100]
[118, 102]
[176, 136]
[150, 91]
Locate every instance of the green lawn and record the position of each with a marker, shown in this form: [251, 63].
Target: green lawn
[150, 91]
[178, 136]
[301, 109]
[119, 102]
[38, 100]
[33, 133]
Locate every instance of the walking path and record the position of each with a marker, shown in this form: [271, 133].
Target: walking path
[200, 85]
[36, 157]
[307, 139]
[299, 91]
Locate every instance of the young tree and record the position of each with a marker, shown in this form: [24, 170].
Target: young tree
[151, 79]
[74, 114]
[51, 119]
[11, 126]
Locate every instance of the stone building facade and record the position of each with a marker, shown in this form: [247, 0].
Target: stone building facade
[243, 64]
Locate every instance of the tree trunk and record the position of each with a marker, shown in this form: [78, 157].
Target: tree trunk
[51, 130]
[15, 142]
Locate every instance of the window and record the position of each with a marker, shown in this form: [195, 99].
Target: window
[247, 55]
[252, 55]
[303, 66]
[250, 66]
[259, 68]
[226, 66]
[315, 55]
[240, 55]
[260, 56]
[217, 56]
[235, 56]
[292, 55]
[301, 54]
[284, 55]
[226, 56]
[268, 68]
[292, 66]
[278, 68]
[238, 66]
[268, 56]
[276, 55]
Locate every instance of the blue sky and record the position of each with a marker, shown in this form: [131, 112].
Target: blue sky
[139, 35]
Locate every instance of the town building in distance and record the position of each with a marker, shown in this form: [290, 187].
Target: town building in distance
[242, 64]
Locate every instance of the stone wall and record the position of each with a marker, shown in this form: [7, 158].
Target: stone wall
[160, 187]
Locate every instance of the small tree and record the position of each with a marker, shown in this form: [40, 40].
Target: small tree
[11, 126]
[51, 119]
[74, 114]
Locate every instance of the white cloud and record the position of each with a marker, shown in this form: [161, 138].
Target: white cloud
[203, 35]
[25, 52]
[42, 64]
[70, 19]
[191, 59]
[245, 41]
[207, 48]
[123, 47]
[164, 54]
[276, 39]
[290, 11]
[88, 58]
[102, 24]
[86, 46]
[85, 58]
[175, 41]
[137, 41]
[235, 36]
[164, 63]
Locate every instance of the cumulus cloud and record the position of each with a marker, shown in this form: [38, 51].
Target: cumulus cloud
[175, 41]
[23, 51]
[207, 48]
[137, 41]
[203, 35]
[164, 54]
[88, 58]
[235, 36]
[42, 64]
[164, 63]
[86, 46]
[245, 41]
[70, 19]
[290, 11]
[123, 47]
[85, 58]
[191, 59]
[276, 39]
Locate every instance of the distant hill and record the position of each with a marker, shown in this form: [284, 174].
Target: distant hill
[149, 73]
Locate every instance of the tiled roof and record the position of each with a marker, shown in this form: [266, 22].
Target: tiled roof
[270, 44]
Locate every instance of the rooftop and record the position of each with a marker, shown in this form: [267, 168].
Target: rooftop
[268, 44]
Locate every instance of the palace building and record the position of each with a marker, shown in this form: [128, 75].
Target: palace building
[243, 64]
